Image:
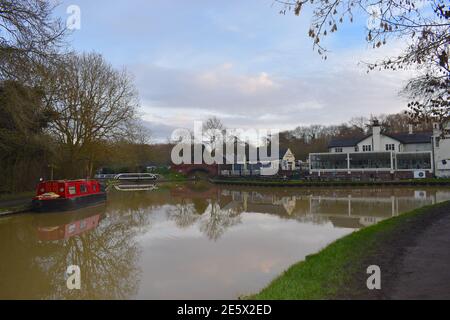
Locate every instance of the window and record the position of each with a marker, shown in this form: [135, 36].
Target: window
[83, 188]
[390, 147]
[356, 149]
[437, 140]
[367, 148]
[72, 190]
[338, 150]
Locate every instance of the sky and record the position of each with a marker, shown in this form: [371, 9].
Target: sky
[241, 61]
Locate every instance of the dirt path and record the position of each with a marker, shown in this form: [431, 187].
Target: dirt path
[414, 260]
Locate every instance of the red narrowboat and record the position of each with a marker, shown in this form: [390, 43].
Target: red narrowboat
[55, 196]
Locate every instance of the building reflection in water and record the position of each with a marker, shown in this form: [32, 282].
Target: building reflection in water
[344, 208]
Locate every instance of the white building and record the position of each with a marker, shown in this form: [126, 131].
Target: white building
[386, 155]
[287, 160]
[441, 150]
[382, 142]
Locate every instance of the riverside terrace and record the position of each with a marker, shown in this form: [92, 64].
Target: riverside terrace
[382, 165]
[385, 156]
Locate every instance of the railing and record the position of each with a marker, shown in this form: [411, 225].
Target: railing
[371, 161]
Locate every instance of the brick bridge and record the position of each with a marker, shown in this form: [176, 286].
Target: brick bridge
[189, 169]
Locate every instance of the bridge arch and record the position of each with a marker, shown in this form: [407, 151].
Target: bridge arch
[190, 169]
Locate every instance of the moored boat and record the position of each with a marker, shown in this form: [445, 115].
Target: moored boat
[55, 196]
[136, 176]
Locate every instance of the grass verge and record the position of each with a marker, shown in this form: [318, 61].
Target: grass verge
[325, 274]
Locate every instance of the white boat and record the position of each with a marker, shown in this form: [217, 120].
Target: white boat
[136, 176]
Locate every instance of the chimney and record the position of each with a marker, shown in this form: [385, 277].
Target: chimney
[376, 135]
[436, 129]
[411, 128]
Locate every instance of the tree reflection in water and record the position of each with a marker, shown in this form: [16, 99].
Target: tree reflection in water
[107, 256]
[218, 221]
[213, 221]
[184, 214]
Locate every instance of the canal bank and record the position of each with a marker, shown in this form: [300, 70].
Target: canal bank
[329, 183]
[11, 204]
[411, 251]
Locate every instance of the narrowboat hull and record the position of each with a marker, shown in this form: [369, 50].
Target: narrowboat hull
[68, 204]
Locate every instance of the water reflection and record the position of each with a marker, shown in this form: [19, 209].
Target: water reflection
[186, 241]
[135, 187]
[36, 251]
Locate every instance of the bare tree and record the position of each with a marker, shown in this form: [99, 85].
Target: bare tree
[211, 127]
[28, 34]
[359, 123]
[425, 25]
[91, 102]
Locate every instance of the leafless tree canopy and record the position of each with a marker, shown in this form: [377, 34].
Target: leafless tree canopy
[425, 25]
[90, 101]
[28, 34]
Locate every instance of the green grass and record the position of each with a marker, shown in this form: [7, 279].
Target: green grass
[322, 275]
[170, 175]
[174, 176]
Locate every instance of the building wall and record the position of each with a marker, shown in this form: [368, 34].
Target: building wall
[442, 154]
[288, 161]
[367, 175]
[344, 149]
[416, 147]
[379, 144]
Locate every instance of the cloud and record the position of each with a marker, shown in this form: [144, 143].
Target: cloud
[334, 93]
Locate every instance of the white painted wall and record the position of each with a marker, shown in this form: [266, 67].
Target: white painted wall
[416, 147]
[442, 154]
[388, 140]
[380, 145]
[365, 142]
[376, 139]
[288, 161]
[344, 149]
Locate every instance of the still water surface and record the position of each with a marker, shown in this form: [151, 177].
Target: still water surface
[189, 241]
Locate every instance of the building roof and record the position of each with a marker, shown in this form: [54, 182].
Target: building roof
[345, 142]
[406, 138]
[402, 137]
[283, 152]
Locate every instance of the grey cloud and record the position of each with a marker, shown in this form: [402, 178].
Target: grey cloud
[328, 96]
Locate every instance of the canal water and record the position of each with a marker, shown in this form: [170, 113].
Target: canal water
[186, 241]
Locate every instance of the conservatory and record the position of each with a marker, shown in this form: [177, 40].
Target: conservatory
[370, 161]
